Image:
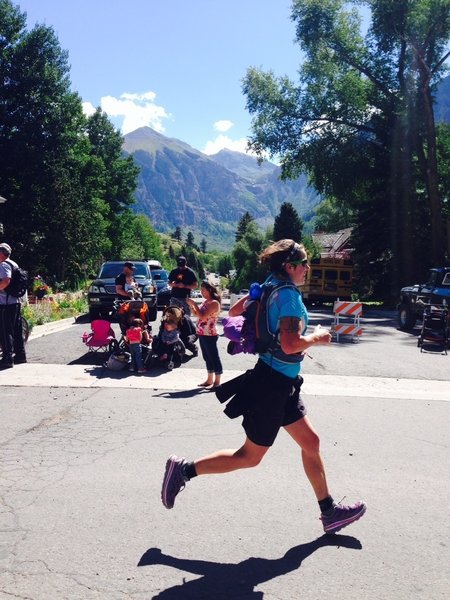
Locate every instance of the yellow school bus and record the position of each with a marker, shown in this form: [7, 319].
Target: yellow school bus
[329, 278]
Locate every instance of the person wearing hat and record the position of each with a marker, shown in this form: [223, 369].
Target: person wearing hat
[11, 339]
[123, 281]
[182, 280]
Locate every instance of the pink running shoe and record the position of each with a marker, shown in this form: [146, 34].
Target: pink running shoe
[342, 516]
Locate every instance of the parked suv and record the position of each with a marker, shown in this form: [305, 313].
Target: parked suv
[102, 292]
[414, 298]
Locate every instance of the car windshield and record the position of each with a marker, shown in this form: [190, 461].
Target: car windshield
[160, 275]
[112, 270]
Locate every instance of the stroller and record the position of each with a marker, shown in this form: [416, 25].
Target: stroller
[164, 350]
[126, 312]
[101, 337]
[435, 328]
[188, 332]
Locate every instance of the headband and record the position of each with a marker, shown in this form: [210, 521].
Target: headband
[293, 251]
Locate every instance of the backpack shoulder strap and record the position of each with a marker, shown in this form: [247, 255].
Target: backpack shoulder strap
[13, 268]
[275, 288]
[268, 290]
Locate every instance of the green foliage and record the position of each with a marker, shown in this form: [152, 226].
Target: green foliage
[443, 152]
[224, 265]
[137, 239]
[243, 224]
[65, 178]
[360, 122]
[332, 215]
[312, 248]
[177, 234]
[70, 305]
[245, 258]
[190, 240]
[288, 224]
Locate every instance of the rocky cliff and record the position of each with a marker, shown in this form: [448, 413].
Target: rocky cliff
[180, 186]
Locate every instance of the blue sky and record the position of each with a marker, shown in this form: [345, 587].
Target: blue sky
[174, 65]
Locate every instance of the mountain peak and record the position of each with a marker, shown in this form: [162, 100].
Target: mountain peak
[149, 140]
[245, 165]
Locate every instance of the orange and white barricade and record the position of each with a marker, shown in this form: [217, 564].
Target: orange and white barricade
[347, 320]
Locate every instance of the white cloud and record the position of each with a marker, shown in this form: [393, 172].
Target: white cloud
[223, 125]
[223, 141]
[150, 96]
[88, 108]
[135, 110]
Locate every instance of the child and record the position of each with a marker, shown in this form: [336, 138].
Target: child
[207, 314]
[134, 336]
[169, 336]
[132, 288]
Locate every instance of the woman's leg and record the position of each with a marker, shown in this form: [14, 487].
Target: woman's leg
[205, 353]
[224, 461]
[218, 370]
[306, 437]
[179, 471]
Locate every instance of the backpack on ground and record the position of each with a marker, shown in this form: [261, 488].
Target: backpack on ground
[19, 281]
[250, 332]
[118, 362]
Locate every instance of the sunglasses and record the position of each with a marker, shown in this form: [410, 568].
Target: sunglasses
[303, 262]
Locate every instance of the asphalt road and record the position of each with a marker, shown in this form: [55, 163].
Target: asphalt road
[81, 467]
[383, 351]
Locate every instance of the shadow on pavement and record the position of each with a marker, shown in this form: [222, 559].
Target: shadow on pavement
[223, 581]
[185, 393]
[91, 358]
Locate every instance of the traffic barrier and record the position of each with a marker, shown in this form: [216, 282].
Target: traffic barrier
[347, 320]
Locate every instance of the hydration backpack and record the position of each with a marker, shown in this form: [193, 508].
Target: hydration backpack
[19, 281]
[250, 332]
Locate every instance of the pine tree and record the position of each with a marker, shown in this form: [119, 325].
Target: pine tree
[177, 233]
[243, 224]
[287, 224]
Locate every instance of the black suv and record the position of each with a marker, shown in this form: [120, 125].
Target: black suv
[415, 298]
[102, 292]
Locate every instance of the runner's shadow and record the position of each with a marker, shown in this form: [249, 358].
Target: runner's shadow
[184, 393]
[223, 581]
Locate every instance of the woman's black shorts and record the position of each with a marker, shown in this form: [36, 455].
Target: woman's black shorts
[272, 400]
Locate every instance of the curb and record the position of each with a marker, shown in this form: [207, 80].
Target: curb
[52, 327]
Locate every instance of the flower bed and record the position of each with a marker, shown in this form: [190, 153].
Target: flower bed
[54, 307]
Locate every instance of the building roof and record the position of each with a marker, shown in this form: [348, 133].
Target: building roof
[332, 243]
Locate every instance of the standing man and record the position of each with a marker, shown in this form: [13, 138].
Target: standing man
[11, 339]
[182, 280]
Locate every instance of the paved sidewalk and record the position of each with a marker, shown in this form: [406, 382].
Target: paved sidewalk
[89, 376]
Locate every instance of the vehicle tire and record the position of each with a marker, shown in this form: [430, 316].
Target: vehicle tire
[152, 313]
[406, 317]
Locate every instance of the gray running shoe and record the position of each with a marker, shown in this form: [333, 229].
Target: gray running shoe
[342, 516]
[174, 481]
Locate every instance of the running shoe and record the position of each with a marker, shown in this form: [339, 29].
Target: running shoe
[341, 516]
[174, 481]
